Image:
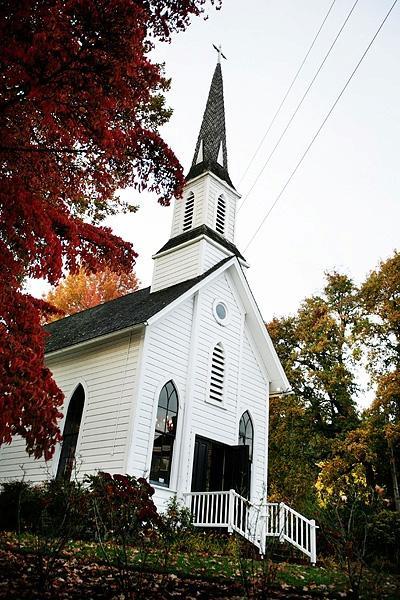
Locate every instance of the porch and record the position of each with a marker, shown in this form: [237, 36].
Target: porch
[255, 523]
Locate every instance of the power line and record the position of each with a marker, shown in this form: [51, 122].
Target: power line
[299, 104]
[322, 124]
[286, 93]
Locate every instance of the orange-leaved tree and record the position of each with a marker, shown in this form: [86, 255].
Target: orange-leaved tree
[83, 289]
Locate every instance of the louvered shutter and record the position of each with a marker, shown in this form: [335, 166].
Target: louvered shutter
[217, 374]
[221, 215]
[188, 215]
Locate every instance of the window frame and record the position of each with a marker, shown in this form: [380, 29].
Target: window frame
[250, 421]
[59, 455]
[223, 322]
[171, 473]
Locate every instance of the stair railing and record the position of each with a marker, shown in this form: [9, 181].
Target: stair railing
[253, 522]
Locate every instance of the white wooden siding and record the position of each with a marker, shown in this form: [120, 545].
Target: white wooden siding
[208, 419]
[206, 191]
[246, 387]
[254, 398]
[212, 255]
[174, 267]
[166, 356]
[108, 371]
[198, 189]
[215, 190]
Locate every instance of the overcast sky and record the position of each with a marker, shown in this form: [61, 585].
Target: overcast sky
[341, 210]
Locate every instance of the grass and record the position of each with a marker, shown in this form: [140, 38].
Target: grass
[199, 558]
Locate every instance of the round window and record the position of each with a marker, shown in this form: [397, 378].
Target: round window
[220, 311]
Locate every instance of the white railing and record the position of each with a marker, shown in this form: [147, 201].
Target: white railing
[254, 523]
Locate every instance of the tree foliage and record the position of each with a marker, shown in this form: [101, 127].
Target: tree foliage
[380, 328]
[80, 107]
[82, 290]
[352, 456]
[294, 448]
[318, 351]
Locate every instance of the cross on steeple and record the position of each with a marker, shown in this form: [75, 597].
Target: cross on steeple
[219, 50]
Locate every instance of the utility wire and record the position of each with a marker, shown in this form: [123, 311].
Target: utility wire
[286, 93]
[299, 104]
[322, 124]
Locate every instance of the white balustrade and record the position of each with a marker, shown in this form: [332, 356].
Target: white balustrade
[254, 523]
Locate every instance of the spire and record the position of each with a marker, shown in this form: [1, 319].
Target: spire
[210, 153]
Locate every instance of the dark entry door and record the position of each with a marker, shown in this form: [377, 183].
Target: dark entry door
[208, 466]
[237, 469]
[218, 467]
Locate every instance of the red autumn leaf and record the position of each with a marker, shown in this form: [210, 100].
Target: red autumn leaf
[80, 111]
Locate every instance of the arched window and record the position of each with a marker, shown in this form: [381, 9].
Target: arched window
[164, 435]
[246, 432]
[217, 374]
[70, 434]
[188, 214]
[221, 215]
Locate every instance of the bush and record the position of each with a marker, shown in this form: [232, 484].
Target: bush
[176, 520]
[105, 506]
[19, 506]
[383, 541]
[43, 508]
[121, 507]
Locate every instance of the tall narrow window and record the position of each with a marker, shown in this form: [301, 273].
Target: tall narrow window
[188, 214]
[70, 434]
[217, 374]
[221, 215]
[164, 435]
[246, 432]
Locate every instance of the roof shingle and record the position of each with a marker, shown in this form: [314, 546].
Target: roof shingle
[130, 310]
[212, 135]
[196, 232]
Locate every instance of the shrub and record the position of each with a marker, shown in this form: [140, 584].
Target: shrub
[383, 541]
[121, 507]
[19, 506]
[176, 520]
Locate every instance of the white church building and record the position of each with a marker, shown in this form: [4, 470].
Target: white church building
[172, 382]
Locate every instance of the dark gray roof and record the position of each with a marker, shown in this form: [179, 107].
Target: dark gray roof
[212, 134]
[194, 233]
[115, 315]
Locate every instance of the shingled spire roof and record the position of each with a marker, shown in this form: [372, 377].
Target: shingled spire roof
[210, 153]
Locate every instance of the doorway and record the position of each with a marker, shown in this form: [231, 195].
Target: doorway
[219, 467]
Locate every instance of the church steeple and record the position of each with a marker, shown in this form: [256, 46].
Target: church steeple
[210, 153]
[203, 223]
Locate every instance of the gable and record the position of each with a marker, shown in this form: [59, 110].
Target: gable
[240, 288]
[116, 315]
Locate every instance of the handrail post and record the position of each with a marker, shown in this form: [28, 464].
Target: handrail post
[263, 529]
[231, 510]
[281, 521]
[313, 542]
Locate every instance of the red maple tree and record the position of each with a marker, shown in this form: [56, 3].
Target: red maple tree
[80, 108]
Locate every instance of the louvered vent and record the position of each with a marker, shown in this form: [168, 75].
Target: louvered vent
[217, 374]
[188, 216]
[221, 215]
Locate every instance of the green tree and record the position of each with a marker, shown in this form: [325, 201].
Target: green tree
[384, 428]
[292, 441]
[318, 350]
[380, 327]
[380, 332]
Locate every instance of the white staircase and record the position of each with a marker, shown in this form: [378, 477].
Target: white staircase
[253, 522]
